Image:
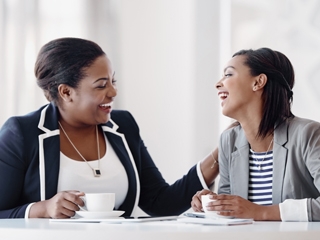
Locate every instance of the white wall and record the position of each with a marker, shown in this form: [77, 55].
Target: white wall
[168, 68]
[168, 55]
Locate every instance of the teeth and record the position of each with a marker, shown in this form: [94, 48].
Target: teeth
[106, 104]
[223, 94]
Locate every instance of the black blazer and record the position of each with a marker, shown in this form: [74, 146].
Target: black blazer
[30, 159]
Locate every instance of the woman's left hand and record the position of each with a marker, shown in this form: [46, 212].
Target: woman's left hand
[231, 205]
[196, 200]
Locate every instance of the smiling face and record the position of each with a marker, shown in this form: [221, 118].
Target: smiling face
[91, 102]
[237, 89]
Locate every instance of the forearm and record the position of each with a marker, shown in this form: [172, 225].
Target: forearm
[210, 167]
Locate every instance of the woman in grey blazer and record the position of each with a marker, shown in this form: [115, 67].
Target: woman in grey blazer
[270, 163]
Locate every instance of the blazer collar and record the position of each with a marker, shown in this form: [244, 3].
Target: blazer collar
[280, 154]
[240, 165]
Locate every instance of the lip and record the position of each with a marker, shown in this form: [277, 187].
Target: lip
[223, 95]
[106, 107]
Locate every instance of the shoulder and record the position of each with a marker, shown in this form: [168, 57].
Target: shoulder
[118, 115]
[124, 119]
[232, 139]
[24, 122]
[303, 125]
[305, 131]
[232, 133]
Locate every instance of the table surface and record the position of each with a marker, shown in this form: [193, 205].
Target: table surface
[44, 229]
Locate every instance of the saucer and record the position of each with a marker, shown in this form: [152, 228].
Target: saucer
[88, 214]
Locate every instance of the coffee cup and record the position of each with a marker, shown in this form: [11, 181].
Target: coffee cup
[205, 199]
[98, 202]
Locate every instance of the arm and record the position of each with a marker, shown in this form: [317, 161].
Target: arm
[210, 167]
[157, 197]
[62, 205]
[12, 171]
[160, 198]
[18, 162]
[235, 206]
[300, 204]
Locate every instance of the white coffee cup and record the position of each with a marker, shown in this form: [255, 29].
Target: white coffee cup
[205, 199]
[99, 202]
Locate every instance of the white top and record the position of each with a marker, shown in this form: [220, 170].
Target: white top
[76, 175]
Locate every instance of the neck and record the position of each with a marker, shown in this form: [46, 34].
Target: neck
[257, 144]
[77, 129]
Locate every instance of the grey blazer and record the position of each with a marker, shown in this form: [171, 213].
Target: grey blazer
[296, 163]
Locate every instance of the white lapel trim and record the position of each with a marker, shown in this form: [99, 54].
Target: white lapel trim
[41, 137]
[114, 131]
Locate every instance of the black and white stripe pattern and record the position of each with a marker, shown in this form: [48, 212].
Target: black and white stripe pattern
[260, 177]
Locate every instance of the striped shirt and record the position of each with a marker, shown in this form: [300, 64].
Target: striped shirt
[260, 177]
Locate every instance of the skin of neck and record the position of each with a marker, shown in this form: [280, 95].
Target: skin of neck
[257, 144]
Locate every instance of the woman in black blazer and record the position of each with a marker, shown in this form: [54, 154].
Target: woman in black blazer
[77, 143]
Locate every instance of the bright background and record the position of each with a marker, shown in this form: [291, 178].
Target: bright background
[168, 55]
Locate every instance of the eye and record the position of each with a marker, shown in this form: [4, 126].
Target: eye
[228, 75]
[114, 81]
[102, 86]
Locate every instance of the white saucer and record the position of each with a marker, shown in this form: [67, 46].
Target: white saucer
[100, 215]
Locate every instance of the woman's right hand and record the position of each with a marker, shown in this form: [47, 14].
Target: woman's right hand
[62, 205]
[196, 200]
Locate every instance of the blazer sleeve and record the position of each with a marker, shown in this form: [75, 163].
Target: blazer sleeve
[157, 197]
[12, 170]
[311, 149]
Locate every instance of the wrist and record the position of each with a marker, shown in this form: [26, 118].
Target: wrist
[214, 159]
[268, 213]
[38, 210]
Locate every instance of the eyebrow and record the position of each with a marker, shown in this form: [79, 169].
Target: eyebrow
[228, 67]
[104, 79]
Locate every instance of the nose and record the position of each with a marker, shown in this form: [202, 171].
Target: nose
[112, 91]
[219, 84]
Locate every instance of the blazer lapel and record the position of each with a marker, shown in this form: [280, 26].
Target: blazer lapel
[240, 167]
[122, 150]
[279, 163]
[49, 152]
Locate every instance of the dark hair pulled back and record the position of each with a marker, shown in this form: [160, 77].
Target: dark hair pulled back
[63, 61]
[277, 94]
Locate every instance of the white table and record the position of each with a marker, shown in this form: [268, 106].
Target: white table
[165, 230]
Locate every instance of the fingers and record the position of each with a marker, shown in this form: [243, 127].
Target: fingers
[227, 205]
[74, 197]
[196, 200]
[64, 204]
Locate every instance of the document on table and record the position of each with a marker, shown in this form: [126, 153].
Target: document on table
[215, 221]
[116, 220]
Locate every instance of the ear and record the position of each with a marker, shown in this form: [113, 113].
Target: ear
[64, 92]
[259, 82]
